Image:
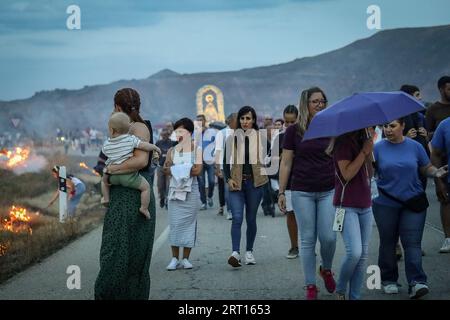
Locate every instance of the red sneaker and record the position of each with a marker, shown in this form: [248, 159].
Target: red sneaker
[311, 292]
[328, 279]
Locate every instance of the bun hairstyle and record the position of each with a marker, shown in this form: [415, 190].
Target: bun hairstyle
[129, 101]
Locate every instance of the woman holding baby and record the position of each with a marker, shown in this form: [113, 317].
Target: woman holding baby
[127, 239]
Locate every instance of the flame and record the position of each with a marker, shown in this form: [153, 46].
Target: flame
[85, 166]
[4, 248]
[16, 157]
[18, 220]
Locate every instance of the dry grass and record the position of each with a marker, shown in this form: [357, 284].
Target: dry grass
[19, 250]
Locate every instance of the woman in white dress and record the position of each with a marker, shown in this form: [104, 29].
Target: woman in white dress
[184, 164]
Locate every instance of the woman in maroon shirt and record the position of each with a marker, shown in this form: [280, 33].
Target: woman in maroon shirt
[351, 153]
[312, 189]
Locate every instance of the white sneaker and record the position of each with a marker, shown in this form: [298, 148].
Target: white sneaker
[186, 264]
[229, 216]
[418, 290]
[173, 264]
[249, 258]
[445, 246]
[235, 260]
[391, 288]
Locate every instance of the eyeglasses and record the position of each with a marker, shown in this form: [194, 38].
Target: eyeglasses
[317, 101]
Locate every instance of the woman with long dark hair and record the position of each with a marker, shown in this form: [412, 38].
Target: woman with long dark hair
[127, 239]
[245, 178]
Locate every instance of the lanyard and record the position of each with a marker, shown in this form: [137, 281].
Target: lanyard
[343, 188]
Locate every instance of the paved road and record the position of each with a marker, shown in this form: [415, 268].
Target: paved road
[273, 277]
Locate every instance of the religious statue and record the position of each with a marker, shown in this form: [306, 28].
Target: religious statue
[213, 98]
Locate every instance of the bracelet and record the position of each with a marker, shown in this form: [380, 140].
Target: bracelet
[281, 194]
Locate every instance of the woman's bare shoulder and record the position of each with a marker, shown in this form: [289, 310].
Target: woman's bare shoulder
[140, 130]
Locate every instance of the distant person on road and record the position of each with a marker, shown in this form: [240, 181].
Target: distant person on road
[290, 116]
[75, 190]
[164, 144]
[184, 165]
[221, 138]
[118, 148]
[399, 162]
[208, 136]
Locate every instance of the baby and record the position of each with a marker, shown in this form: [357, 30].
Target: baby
[118, 148]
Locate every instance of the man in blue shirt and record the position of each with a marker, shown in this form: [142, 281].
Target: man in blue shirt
[439, 155]
[208, 145]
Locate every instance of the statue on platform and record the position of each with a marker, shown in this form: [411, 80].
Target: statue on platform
[213, 98]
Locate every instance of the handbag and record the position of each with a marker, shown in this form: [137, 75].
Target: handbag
[417, 203]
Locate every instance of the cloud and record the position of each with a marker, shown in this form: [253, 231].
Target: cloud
[51, 15]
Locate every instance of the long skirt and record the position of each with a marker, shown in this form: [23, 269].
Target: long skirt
[127, 244]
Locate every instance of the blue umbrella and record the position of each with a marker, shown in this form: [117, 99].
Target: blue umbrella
[359, 111]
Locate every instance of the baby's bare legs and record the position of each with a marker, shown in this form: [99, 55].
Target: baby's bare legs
[105, 190]
[145, 197]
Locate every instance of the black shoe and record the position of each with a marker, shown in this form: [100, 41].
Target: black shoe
[162, 203]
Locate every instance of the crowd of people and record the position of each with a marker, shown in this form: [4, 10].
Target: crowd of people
[315, 181]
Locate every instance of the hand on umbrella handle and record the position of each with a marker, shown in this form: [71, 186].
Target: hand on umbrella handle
[367, 147]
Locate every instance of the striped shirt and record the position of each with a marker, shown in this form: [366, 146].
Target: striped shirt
[120, 148]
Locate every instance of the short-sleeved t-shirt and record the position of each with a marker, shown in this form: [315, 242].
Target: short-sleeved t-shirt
[120, 148]
[398, 170]
[357, 191]
[441, 139]
[312, 169]
[435, 114]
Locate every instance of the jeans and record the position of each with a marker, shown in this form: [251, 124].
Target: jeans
[75, 200]
[224, 197]
[267, 201]
[250, 198]
[314, 213]
[356, 235]
[392, 223]
[163, 184]
[210, 169]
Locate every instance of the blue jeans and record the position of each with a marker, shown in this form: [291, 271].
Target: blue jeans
[210, 169]
[314, 213]
[392, 223]
[356, 235]
[75, 200]
[250, 198]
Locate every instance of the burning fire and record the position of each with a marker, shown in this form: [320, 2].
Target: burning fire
[18, 220]
[16, 157]
[4, 248]
[85, 166]
[21, 160]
